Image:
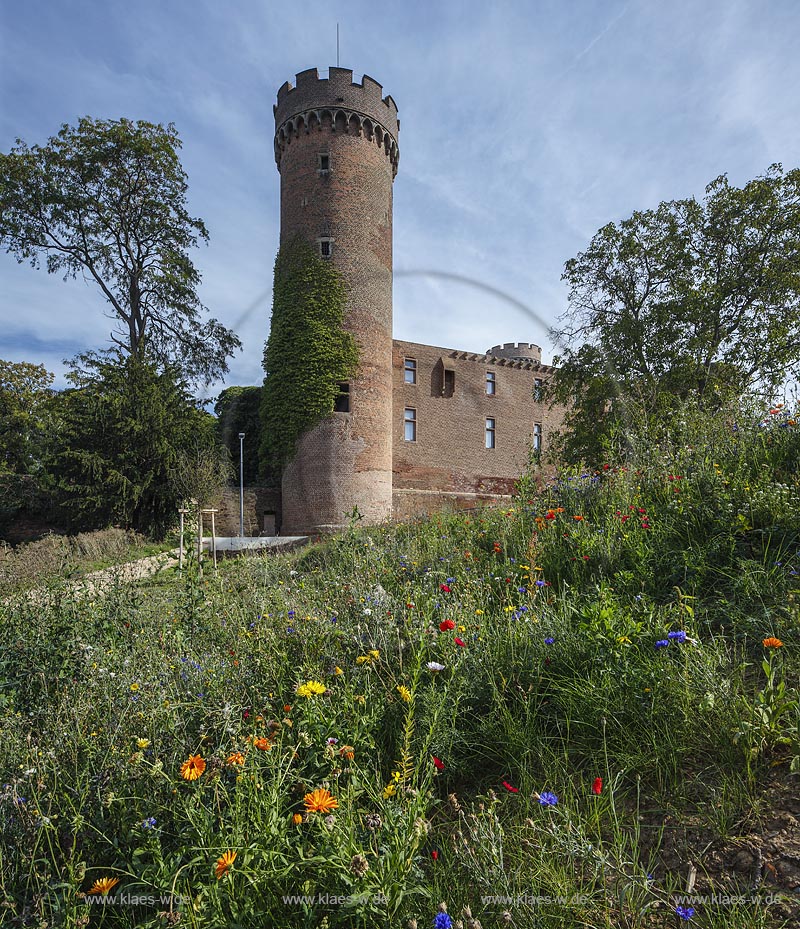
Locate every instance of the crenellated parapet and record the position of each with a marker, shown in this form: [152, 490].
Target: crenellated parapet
[337, 105]
[518, 351]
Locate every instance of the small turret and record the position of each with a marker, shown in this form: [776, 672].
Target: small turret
[516, 351]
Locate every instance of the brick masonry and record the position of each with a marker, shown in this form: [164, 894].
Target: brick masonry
[336, 150]
[449, 462]
[347, 459]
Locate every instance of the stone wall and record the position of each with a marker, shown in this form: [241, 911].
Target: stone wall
[258, 501]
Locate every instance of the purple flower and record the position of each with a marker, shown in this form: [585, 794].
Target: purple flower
[685, 912]
[149, 822]
[546, 798]
[540, 583]
[662, 643]
[442, 921]
[678, 636]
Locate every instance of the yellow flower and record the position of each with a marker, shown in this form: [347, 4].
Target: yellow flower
[192, 768]
[389, 791]
[143, 743]
[479, 612]
[134, 687]
[405, 693]
[224, 864]
[103, 885]
[235, 758]
[374, 654]
[310, 688]
[338, 670]
[362, 659]
[320, 801]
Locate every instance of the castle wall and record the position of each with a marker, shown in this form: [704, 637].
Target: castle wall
[449, 463]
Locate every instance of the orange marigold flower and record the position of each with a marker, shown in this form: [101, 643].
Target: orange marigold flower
[103, 885]
[234, 758]
[262, 744]
[224, 864]
[347, 751]
[192, 768]
[578, 518]
[320, 801]
[772, 642]
[297, 818]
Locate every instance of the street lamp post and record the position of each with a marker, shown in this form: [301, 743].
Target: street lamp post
[241, 485]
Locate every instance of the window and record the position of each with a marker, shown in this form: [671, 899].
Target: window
[537, 390]
[323, 163]
[410, 425]
[490, 441]
[449, 385]
[410, 371]
[342, 402]
[325, 246]
[491, 383]
[537, 437]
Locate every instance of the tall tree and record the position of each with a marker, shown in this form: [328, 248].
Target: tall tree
[107, 199]
[121, 430]
[690, 299]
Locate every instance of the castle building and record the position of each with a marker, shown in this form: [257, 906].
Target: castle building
[418, 426]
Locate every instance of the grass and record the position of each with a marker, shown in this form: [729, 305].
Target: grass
[440, 679]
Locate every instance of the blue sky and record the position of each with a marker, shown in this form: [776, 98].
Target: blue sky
[525, 127]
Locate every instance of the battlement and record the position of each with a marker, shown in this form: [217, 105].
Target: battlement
[336, 104]
[519, 351]
[337, 90]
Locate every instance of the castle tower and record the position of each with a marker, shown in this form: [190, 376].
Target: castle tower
[336, 151]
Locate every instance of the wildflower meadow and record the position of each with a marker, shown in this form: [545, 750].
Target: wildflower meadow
[576, 710]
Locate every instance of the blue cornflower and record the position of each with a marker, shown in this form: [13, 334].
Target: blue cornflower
[549, 640]
[442, 921]
[685, 912]
[149, 822]
[334, 619]
[540, 583]
[662, 643]
[290, 630]
[546, 798]
[678, 636]
[290, 614]
[522, 590]
[450, 580]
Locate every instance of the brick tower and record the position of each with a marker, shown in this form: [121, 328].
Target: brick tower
[336, 151]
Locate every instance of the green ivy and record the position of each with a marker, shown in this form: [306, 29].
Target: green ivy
[308, 353]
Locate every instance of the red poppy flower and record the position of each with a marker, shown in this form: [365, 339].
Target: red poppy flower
[446, 625]
[435, 855]
[597, 786]
[460, 642]
[439, 763]
[513, 790]
[445, 588]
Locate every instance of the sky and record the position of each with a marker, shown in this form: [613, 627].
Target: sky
[525, 128]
